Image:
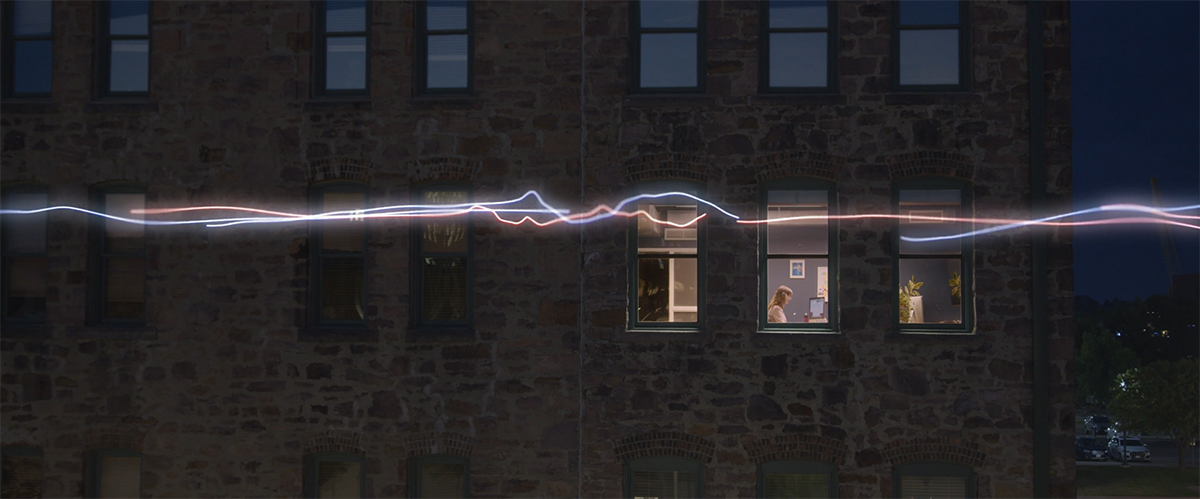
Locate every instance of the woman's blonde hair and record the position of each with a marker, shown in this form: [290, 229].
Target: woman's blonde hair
[781, 295]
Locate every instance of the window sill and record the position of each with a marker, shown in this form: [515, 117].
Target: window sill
[354, 103]
[335, 333]
[121, 106]
[429, 334]
[17, 330]
[927, 98]
[28, 106]
[112, 332]
[667, 100]
[446, 101]
[813, 99]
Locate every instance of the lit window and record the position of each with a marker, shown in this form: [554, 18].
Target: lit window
[797, 479]
[29, 48]
[930, 49]
[445, 46]
[933, 479]
[342, 41]
[334, 474]
[124, 48]
[114, 473]
[798, 51]
[799, 271]
[667, 46]
[339, 263]
[119, 257]
[933, 278]
[663, 478]
[439, 475]
[667, 278]
[442, 271]
[24, 251]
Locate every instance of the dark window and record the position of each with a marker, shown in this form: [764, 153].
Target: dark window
[342, 45]
[442, 271]
[24, 253]
[114, 473]
[338, 283]
[798, 257]
[933, 479]
[667, 46]
[932, 266]
[666, 246]
[124, 48]
[930, 45]
[797, 479]
[119, 257]
[445, 47]
[334, 474]
[664, 478]
[439, 475]
[798, 51]
[28, 48]
[21, 472]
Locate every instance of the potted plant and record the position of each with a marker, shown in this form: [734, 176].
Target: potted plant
[955, 289]
[906, 293]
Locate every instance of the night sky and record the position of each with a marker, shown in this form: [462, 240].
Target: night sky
[1136, 115]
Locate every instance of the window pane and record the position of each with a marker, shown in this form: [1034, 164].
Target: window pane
[446, 15]
[120, 476]
[669, 14]
[124, 287]
[346, 63]
[447, 62]
[445, 289]
[31, 18]
[783, 272]
[124, 237]
[804, 236]
[445, 236]
[929, 57]
[345, 16]
[654, 236]
[26, 293]
[799, 60]
[129, 17]
[915, 209]
[785, 14]
[25, 233]
[32, 66]
[667, 290]
[338, 479]
[664, 484]
[937, 487]
[668, 60]
[342, 236]
[21, 476]
[441, 480]
[130, 71]
[928, 12]
[342, 288]
[940, 293]
[789, 485]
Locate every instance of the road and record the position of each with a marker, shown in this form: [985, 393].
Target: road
[1162, 453]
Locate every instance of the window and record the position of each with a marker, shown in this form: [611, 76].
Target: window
[798, 257]
[667, 46]
[114, 473]
[334, 474]
[21, 472]
[443, 270]
[930, 45]
[445, 47]
[119, 257]
[933, 275]
[796, 478]
[338, 282]
[28, 48]
[798, 46]
[666, 278]
[933, 479]
[124, 36]
[342, 42]
[663, 478]
[439, 475]
[24, 256]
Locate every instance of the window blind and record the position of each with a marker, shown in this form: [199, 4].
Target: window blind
[338, 479]
[787, 485]
[120, 476]
[933, 487]
[664, 484]
[441, 480]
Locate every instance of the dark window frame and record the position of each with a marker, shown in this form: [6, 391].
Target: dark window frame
[798, 466]
[964, 50]
[414, 471]
[312, 469]
[832, 310]
[967, 276]
[98, 256]
[933, 468]
[417, 314]
[104, 40]
[764, 52]
[421, 53]
[9, 56]
[321, 57]
[318, 256]
[663, 463]
[92, 483]
[5, 254]
[633, 256]
[635, 51]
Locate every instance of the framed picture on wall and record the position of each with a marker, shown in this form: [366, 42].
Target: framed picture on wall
[797, 267]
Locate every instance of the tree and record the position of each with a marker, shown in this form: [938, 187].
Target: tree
[1162, 397]
[1100, 360]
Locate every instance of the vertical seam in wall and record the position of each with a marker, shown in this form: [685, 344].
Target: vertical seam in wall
[582, 259]
[1039, 292]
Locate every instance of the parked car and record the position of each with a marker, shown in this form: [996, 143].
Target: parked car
[1089, 448]
[1096, 424]
[1132, 447]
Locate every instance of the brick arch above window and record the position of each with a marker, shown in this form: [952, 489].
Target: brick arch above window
[440, 442]
[336, 441]
[799, 164]
[339, 168]
[130, 439]
[666, 166]
[444, 169]
[930, 163]
[665, 444]
[796, 446]
[954, 450]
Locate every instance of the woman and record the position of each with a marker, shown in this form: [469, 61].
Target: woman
[775, 309]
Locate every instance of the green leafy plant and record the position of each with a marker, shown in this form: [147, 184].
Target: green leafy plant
[906, 293]
[955, 289]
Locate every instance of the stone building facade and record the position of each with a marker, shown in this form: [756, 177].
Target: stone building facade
[226, 387]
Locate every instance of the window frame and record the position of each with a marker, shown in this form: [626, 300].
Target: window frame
[417, 310]
[964, 50]
[764, 255]
[798, 466]
[321, 57]
[317, 256]
[421, 53]
[633, 257]
[967, 276]
[764, 52]
[635, 50]
[8, 84]
[92, 483]
[414, 471]
[98, 256]
[312, 471]
[103, 73]
[663, 463]
[5, 254]
[933, 468]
